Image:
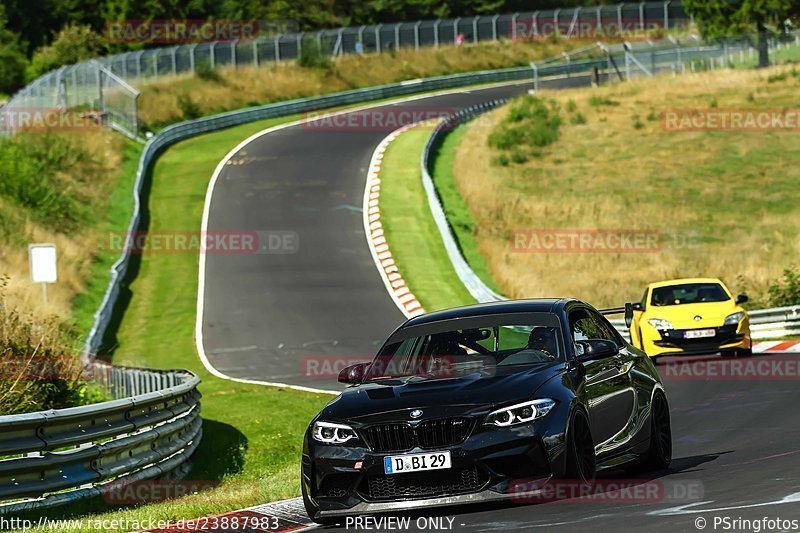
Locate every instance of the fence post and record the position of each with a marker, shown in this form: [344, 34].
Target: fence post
[555, 21]
[641, 16]
[535, 23]
[255, 53]
[436, 32]
[192, 57]
[455, 29]
[619, 16]
[397, 35]
[475, 29]
[514, 18]
[212, 54]
[156, 53]
[599, 16]
[416, 35]
[299, 43]
[100, 92]
[278, 48]
[494, 27]
[361, 37]
[233, 52]
[139, 64]
[174, 60]
[136, 115]
[378, 38]
[666, 14]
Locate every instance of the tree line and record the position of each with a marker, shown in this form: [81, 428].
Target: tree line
[37, 36]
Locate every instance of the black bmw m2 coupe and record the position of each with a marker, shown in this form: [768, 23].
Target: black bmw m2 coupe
[460, 405]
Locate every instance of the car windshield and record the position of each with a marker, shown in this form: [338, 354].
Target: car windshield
[453, 352]
[690, 293]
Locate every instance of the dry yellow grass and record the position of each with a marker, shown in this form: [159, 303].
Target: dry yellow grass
[725, 203]
[75, 249]
[249, 86]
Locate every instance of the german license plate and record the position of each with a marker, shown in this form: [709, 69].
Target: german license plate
[700, 333]
[400, 464]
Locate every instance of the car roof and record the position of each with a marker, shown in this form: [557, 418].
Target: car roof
[683, 281]
[530, 305]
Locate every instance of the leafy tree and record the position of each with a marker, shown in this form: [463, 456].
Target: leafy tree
[72, 44]
[12, 58]
[718, 18]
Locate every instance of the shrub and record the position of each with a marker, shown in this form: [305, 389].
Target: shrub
[73, 43]
[786, 291]
[599, 101]
[205, 72]
[49, 175]
[577, 118]
[189, 108]
[312, 56]
[531, 123]
[39, 370]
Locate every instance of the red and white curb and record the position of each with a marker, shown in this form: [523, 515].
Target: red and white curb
[373, 227]
[776, 347]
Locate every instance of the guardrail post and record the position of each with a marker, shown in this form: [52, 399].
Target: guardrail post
[567, 60]
[641, 16]
[535, 76]
[555, 22]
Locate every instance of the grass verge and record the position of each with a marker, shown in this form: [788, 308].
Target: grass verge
[717, 200]
[412, 234]
[252, 433]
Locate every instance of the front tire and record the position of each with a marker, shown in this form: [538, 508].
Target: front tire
[659, 454]
[581, 460]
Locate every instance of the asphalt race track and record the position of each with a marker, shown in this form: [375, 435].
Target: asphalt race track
[272, 317]
[736, 439]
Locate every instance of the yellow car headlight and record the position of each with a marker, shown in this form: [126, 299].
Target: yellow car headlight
[734, 318]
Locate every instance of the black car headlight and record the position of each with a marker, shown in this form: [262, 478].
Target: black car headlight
[520, 413]
[330, 433]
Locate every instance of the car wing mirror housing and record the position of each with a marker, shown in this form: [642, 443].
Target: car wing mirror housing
[629, 307]
[593, 349]
[353, 374]
[742, 298]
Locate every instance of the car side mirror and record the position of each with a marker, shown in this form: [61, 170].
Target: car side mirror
[742, 298]
[637, 306]
[629, 314]
[593, 349]
[353, 374]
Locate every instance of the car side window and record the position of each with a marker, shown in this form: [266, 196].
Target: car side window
[582, 327]
[605, 329]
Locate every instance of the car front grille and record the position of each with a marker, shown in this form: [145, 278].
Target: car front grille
[401, 436]
[422, 484]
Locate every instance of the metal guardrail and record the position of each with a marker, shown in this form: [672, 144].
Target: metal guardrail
[103, 83]
[55, 457]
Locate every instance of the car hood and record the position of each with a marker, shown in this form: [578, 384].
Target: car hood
[393, 400]
[683, 316]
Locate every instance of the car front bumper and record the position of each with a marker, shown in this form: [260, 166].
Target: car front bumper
[487, 466]
[675, 342]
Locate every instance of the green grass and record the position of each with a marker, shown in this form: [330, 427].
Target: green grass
[117, 217]
[456, 208]
[409, 228]
[252, 434]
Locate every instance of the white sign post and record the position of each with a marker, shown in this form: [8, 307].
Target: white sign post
[42, 258]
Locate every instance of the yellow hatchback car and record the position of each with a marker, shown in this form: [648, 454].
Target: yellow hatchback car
[691, 317]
